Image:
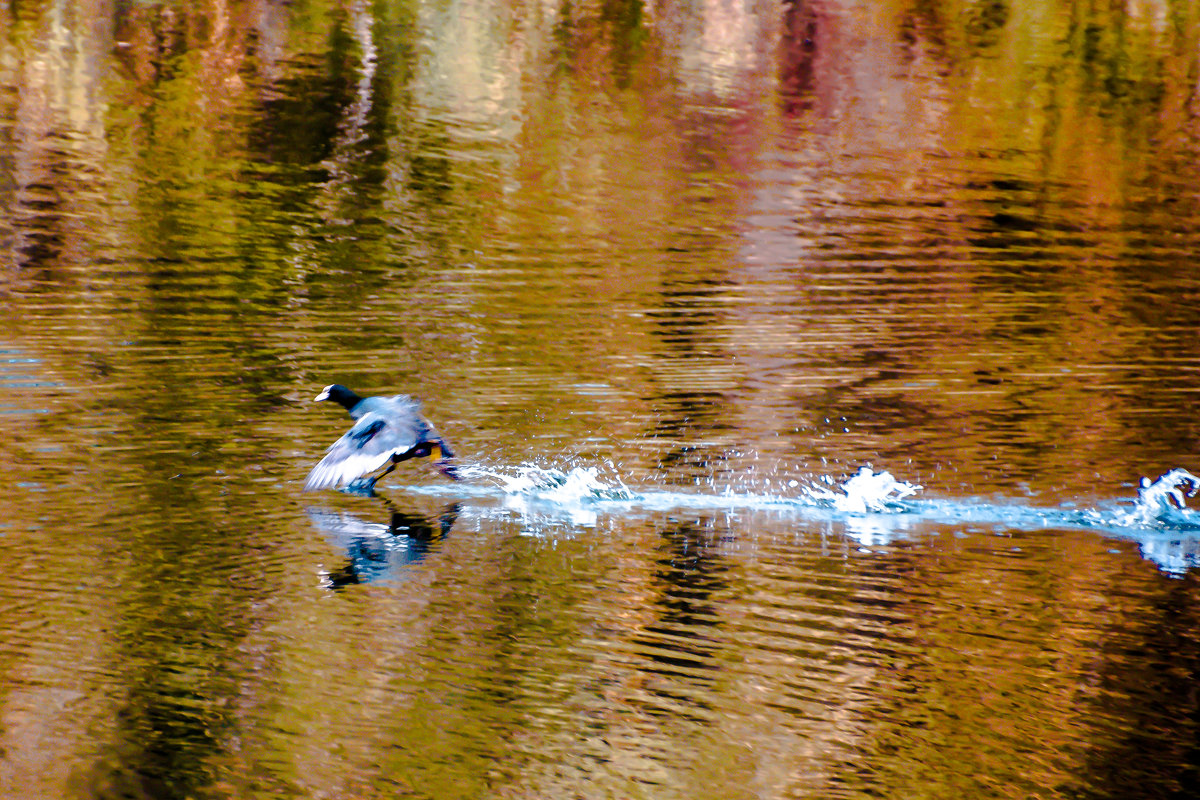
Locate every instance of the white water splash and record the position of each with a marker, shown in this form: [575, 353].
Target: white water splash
[1160, 505]
[867, 492]
[1164, 502]
[540, 493]
[581, 484]
[875, 507]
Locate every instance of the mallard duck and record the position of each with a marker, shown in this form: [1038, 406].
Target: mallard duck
[386, 430]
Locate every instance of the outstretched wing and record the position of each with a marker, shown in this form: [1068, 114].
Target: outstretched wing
[364, 448]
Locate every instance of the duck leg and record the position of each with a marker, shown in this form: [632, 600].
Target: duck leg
[367, 485]
[391, 467]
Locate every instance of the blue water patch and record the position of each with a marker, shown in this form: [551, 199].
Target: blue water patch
[25, 383]
[14, 376]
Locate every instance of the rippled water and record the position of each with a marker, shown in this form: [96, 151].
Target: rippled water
[804, 363]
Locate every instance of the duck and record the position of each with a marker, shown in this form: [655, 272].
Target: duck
[386, 430]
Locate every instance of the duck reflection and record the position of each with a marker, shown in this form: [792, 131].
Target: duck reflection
[378, 550]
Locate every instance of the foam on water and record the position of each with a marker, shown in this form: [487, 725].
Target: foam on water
[579, 485]
[874, 507]
[866, 492]
[1159, 505]
[1164, 502]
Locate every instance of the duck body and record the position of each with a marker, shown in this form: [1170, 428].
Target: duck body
[386, 431]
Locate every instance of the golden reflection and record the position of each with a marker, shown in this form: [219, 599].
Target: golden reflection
[703, 240]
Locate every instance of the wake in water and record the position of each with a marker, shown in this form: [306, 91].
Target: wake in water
[1160, 504]
[581, 484]
[1164, 501]
[867, 492]
[875, 507]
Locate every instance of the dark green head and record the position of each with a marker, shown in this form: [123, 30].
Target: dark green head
[339, 394]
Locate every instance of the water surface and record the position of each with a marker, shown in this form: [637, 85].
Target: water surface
[667, 277]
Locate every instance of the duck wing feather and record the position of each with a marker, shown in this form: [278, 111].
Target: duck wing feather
[378, 434]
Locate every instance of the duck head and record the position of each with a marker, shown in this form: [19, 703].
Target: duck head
[340, 395]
